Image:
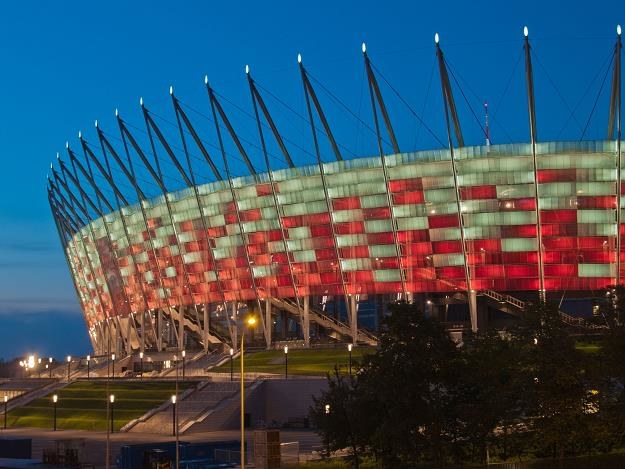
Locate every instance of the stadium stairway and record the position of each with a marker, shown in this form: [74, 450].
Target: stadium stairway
[214, 399]
[197, 364]
[518, 306]
[325, 321]
[34, 393]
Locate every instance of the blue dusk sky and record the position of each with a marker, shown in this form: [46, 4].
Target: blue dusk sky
[67, 63]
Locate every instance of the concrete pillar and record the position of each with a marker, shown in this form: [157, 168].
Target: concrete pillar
[268, 322]
[142, 338]
[181, 327]
[159, 327]
[353, 317]
[234, 333]
[306, 321]
[473, 309]
[206, 325]
[129, 320]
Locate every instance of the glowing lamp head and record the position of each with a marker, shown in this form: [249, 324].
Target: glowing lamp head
[50, 359]
[247, 69]
[141, 101]
[69, 358]
[79, 134]
[171, 90]
[6, 398]
[174, 398]
[141, 355]
[251, 321]
[31, 361]
[349, 347]
[96, 123]
[618, 29]
[184, 353]
[206, 79]
[299, 58]
[526, 31]
[363, 47]
[116, 112]
[327, 408]
[436, 38]
[535, 341]
[39, 361]
[112, 398]
[66, 144]
[286, 349]
[112, 356]
[55, 398]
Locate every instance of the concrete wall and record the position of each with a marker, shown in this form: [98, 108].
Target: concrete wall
[278, 400]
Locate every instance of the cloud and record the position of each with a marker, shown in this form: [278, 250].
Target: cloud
[25, 306]
[27, 246]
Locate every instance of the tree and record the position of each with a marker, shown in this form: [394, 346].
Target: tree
[491, 393]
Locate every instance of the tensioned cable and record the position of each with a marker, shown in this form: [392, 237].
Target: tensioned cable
[251, 116]
[321, 131]
[425, 100]
[608, 59]
[503, 94]
[597, 98]
[556, 88]
[345, 106]
[412, 111]
[465, 97]
[477, 98]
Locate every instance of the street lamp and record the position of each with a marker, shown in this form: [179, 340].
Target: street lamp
[88, 366]
[50, 363]
[39, 366]
[55, 399]
[286, 362]
[141, 358]
[349, 349]
[69, 366]
[231, 364]
[113, 359]
[250, 322]
[6, 400]
[174, 398]
[112, 400]
[184, 355]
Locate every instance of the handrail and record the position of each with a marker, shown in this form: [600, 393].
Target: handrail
[566, 318]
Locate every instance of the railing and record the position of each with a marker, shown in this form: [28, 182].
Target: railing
[566, 318]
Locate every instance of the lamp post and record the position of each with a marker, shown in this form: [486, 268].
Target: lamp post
[231, 364]
[39, 366]
[69, 366]
[141, 358]
[50, 363]
[174, 398]
[55, 399]
[184, 355]
[250, 322]
[349, 349]
[88, 366]
[113, 360]
[112, 400]
[6, 400]
[286, 362]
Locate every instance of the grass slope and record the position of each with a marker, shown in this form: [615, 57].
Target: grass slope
[309, 362]
[82, 404]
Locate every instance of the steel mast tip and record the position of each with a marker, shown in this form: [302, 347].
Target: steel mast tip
[141, 101]
[247, 69]
[171, 90]
[364, 48]
[618, 29]
[526, 31]
[299, 58]
[436, 38]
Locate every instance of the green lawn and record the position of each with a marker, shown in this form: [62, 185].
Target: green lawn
[588, 347]
[310, 362]
[82, 405]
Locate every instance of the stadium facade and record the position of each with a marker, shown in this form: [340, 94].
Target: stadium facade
[433, 226]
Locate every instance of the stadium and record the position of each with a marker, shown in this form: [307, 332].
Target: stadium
[317, 252]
